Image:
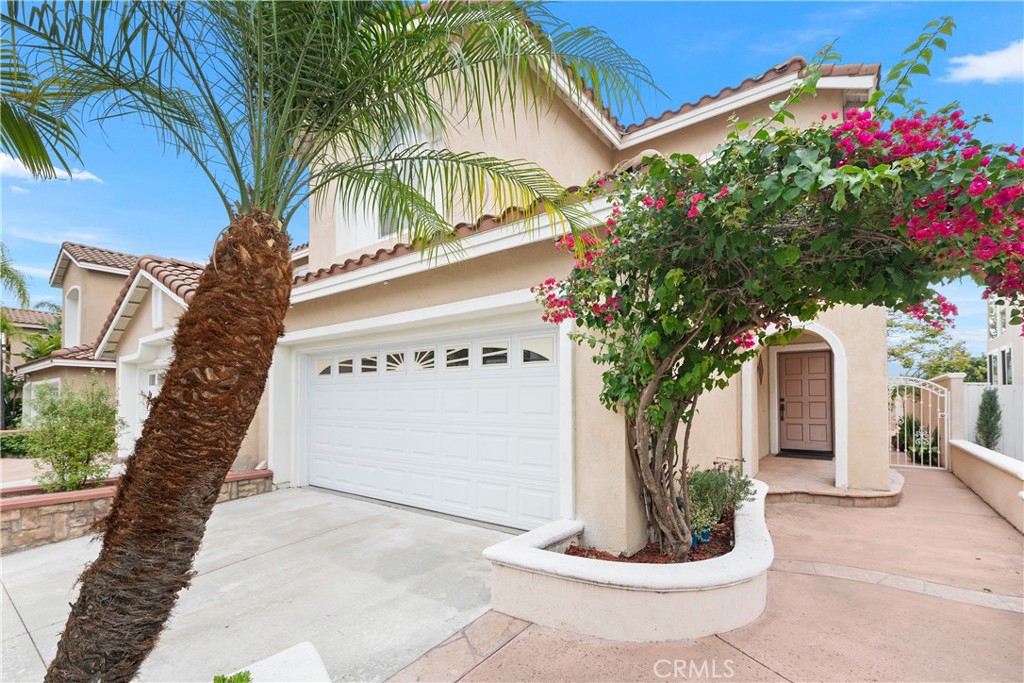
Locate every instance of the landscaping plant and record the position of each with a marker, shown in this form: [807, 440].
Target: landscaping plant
[277, 102]
[704, 260]
[989, 427]
[72, 434]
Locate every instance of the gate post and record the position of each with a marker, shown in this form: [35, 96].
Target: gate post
[953, 382]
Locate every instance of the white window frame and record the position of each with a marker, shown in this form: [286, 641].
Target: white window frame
[28, 395]
[71, 320]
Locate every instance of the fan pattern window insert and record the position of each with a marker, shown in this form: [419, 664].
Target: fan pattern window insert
[423, 360]
[368, 365]
[395, 362]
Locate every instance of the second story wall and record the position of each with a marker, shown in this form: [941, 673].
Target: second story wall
[87, 297]
[556, 139]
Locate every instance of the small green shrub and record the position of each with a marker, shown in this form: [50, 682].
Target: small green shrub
[989, 427]
[14, 445]
[722, 488]
[702, 515]
[73, 433]
[240, 677]
[907, 430]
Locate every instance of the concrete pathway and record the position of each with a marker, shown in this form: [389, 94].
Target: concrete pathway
[372, 587]
[929, 590]
[16, 471]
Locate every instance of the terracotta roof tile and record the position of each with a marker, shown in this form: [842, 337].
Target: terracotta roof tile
[304, 245]
[180, 277]
[25, 316]
[790, 66]
[83, 352]
[99, 256]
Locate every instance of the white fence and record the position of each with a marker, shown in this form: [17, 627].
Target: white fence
[1011, 401]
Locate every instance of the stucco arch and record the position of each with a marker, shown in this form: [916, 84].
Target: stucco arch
[840, 407]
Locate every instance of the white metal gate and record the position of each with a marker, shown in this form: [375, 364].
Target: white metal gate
[918, 423]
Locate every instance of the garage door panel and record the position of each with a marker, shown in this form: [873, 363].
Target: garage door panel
[479, 442]
[539, 455]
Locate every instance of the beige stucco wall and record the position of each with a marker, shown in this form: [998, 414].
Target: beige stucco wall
[715, 435]
[555, 138]
[703, 137]
[70, 376]
[998, 486]
[98, 292]
[862, 334]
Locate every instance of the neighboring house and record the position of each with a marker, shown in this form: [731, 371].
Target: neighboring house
[1005, 348]
[25, 322]
[436, 385]
[89, 278]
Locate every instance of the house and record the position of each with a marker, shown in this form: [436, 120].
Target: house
[1005, 347]
[25, 322]
[88, 277]
[436, 385]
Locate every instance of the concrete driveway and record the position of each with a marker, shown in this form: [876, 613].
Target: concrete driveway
[372, 587]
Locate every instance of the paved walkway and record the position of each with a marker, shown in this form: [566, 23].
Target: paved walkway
[16, 470]
[371, 586]
[929, 590]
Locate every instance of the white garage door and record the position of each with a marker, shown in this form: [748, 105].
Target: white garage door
[462, 425]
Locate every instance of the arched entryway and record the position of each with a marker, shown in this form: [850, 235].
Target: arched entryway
[814, 392]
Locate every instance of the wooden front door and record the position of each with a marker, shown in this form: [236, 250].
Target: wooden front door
[805, 401]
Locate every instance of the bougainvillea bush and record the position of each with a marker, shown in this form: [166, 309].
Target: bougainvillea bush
[703, 260]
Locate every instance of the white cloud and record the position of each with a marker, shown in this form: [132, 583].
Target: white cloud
[998, 66]
[99, 238]
[18, 189]
[34, 271]
[13, 168]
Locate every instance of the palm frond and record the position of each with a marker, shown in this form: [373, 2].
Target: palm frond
[271, 99]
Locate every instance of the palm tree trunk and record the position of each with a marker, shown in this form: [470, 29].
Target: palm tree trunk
[222, 352]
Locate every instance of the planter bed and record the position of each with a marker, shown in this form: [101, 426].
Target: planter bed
[30, 517]
[533, 579]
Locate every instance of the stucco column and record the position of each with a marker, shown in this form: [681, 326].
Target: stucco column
[954, 383]
[607, 495]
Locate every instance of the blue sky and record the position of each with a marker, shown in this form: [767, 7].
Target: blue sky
[131, 195]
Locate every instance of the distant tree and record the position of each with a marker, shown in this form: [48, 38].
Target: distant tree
[989, 426]
[42, 344]
[925, 351]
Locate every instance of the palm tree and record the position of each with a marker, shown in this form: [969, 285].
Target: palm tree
[275, 102]
[31, 129]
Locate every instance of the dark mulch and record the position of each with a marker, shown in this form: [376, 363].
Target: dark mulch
[721, 542]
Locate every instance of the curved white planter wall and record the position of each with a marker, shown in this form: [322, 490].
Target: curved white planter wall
[633, 602]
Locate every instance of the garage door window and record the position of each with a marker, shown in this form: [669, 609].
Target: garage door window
[346, 365]
[368, 365]
[323, 367]
[395, 362]
[456, 357]
[423, 360]
[494, 354]
[539, 351]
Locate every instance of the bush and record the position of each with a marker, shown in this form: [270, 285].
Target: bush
[989, 426]
[73, 434]
[14, 445]
[907, 430]
[722, 488]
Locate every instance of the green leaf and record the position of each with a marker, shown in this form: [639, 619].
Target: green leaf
[651, 340]
[804, 179]
[787, 256]
[920, 69]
